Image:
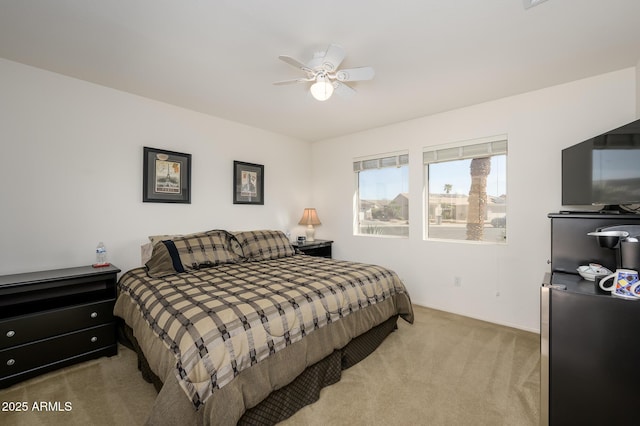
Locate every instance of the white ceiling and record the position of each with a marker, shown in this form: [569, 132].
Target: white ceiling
[221, 57]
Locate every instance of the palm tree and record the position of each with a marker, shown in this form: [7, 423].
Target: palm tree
[447, 189]
[480, 169]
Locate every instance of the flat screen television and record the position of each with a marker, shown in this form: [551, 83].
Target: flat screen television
[604, 170]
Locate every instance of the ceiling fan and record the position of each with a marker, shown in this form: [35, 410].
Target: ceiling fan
[323, 71]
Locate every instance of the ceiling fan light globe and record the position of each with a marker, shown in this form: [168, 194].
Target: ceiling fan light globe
[321, 90]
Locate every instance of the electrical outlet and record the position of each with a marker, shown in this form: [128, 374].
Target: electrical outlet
[457, 282]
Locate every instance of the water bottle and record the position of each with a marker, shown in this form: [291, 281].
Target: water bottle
[101, 255]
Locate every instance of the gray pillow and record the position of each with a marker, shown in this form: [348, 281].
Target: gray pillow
[191, 252]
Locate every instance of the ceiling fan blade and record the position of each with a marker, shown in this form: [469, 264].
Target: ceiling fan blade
[295, 63]
[295, 80]
[333, 58]
[343, 90]
[355, 74]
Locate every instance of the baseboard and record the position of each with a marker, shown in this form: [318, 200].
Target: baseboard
[464, 314]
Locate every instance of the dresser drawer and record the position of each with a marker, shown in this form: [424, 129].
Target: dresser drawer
[27, 328]
[22, 358]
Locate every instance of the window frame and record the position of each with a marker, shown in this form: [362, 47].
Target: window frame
[365, 163]
[463, 150]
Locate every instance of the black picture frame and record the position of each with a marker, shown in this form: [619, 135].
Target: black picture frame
[248, 183]
[175, 186]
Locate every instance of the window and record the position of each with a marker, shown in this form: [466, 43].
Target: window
[382, 196]
[466, 187]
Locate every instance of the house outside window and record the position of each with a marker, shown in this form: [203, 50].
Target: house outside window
[382, 195]
[466, 191]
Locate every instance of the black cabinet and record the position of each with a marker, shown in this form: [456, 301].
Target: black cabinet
[588, 339]
[572, 247]
[51, 319]
[319, 248]
[590, 346]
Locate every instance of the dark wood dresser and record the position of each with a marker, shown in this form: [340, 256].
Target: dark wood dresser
[51, 319]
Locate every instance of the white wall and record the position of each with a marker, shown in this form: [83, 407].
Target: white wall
[71, 172]
[71, 176]
[638, 89]
[500, 283]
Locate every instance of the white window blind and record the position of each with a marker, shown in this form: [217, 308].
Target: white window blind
[477, 150]
[381, 162]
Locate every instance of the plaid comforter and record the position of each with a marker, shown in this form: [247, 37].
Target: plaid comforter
[221, 320]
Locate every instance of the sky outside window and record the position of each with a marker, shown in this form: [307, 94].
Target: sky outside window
[457, 174]
[383, 184]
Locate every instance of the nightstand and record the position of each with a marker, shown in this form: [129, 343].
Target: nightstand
[318, 248]
[51, 319]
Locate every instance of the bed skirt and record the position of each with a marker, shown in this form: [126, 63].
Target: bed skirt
[303, 390]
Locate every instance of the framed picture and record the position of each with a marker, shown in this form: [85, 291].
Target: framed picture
[248, 183]
[167, 176]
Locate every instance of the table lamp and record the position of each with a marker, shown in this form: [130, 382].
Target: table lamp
[309, 218]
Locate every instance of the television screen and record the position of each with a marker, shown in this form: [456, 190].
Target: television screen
[604, 170]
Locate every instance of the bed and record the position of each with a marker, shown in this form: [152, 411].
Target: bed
[237, 328]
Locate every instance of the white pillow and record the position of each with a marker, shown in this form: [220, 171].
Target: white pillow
[146, 250]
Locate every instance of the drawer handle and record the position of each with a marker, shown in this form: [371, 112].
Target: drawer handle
[11, 333]
[94, 315]
[11, 362]
[94, 339]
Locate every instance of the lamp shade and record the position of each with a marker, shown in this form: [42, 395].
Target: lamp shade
[309, 217]
[322, 89]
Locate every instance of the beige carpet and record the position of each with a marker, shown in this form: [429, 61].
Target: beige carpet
[105, 391]
[443, 370]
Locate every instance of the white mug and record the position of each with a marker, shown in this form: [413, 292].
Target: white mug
[625, 284]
